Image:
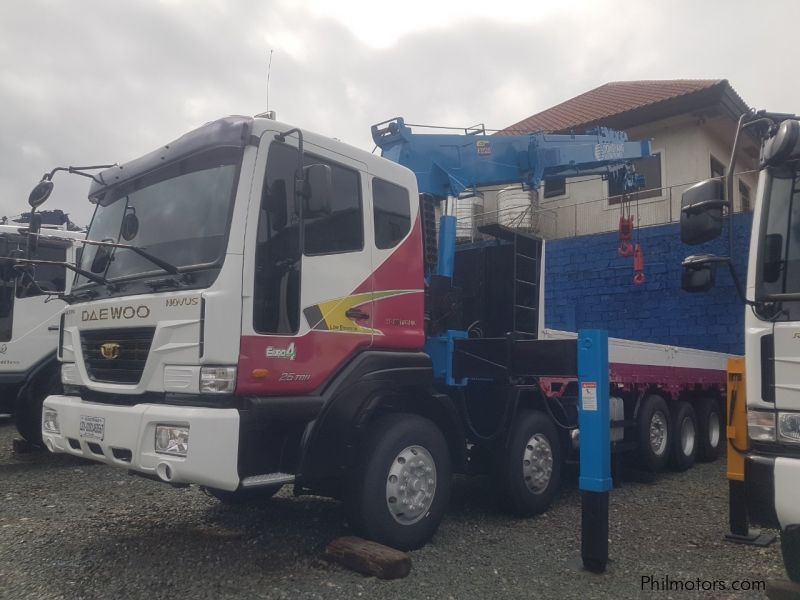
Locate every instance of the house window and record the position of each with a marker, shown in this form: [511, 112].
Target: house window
[650, 167]
[555, 186]
[744, 196]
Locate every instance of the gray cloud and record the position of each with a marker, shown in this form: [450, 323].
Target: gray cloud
[96, 81]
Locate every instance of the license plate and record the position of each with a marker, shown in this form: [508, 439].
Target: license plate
[92, 427]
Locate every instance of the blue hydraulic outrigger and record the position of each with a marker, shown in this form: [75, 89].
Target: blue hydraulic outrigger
[446, 165]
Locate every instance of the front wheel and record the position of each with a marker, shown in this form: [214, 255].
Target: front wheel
[398, 492]
[529, 467]
[29, 404]
[790, 548]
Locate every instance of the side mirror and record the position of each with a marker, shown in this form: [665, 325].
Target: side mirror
[701, 212]
[773, 258]
[130, 225]
[102, 257]
[784, 145]
[699, 272]
[317, 189]
[40, 193]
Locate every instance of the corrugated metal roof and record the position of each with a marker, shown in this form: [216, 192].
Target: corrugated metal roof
[626, 103]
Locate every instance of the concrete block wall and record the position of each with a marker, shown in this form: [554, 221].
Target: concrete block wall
[587, 285]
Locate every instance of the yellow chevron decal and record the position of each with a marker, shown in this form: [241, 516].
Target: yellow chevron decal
[331, 315]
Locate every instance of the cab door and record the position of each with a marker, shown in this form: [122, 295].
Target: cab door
[307, 290]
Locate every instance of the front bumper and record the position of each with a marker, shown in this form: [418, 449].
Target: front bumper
[773, 487]
[129, 439]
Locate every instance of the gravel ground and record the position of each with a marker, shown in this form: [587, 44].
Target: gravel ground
[74, 529]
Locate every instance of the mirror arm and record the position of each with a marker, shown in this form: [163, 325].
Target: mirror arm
[79, 171]
[299, 181]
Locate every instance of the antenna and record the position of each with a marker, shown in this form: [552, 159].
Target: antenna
[269, 72]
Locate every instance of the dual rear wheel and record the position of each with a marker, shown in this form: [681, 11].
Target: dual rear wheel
[679, 437]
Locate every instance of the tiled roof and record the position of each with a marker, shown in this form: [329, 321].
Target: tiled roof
[619, 103]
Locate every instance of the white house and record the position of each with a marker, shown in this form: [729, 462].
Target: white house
[691, 124]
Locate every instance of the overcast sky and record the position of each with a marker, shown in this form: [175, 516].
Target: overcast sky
[101, 81]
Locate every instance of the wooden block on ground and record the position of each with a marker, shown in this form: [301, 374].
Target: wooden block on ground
[369, 558]
[780, 589]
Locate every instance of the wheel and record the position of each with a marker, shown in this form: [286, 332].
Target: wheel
[790, 548]
[654, 433]
[529, 468]
[243, 496]
[684, 440]
[398, 492]
[710, 429]
[30, 401]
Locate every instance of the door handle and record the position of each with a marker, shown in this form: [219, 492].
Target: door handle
[356, 314]
[52, 328]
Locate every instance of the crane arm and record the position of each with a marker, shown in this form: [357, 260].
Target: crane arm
[448, 164]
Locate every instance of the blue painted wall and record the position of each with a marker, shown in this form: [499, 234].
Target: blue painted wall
[587, 285]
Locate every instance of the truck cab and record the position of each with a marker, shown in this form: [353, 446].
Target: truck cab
[30, 310]
[772, 319]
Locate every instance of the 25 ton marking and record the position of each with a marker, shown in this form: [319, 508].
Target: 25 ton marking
[295, 377]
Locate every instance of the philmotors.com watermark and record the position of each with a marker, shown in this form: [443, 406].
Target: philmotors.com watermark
[665, 583]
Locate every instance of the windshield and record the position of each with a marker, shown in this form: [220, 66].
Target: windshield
[181, 215]
[779, 242]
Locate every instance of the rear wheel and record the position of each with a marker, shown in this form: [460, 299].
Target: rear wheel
[244, 496]
[710, 429]
[684, 442]
[790, 548]
[398, 493]
[654, 433]
[529, 467]
[30, 401]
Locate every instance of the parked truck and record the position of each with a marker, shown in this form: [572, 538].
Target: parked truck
[772, 315]
[259, 305]
[30, 309]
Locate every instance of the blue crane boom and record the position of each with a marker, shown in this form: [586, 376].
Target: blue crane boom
[448, 164]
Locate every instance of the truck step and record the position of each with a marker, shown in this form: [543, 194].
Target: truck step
[267, 479]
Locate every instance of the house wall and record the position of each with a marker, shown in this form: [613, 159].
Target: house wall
[587, 285]
[685, 144]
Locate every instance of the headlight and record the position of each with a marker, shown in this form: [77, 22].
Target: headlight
[50, 421]
[172, 440]
[217, 380]
[761, 425]
[789, 427]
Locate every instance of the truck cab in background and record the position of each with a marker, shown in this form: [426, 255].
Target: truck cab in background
[772, 317]
[30, 310]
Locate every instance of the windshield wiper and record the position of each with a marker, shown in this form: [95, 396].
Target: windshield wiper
[164, 265]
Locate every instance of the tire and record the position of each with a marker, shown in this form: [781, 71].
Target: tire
[398, 448]
[29, 403]
[790, 548]
[243, 496]
[529, 467]
[684, 438]
[654, 451]
[710, 429]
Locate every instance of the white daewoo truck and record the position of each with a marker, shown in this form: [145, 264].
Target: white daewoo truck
[772, 316]
[30, 309]
[259, 305]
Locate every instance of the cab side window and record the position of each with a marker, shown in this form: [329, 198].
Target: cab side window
[392, 213]
[343, 229]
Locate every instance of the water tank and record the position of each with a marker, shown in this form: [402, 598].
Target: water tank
[514, 207]
[469, 214]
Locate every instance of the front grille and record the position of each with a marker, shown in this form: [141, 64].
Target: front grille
[125, 361]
